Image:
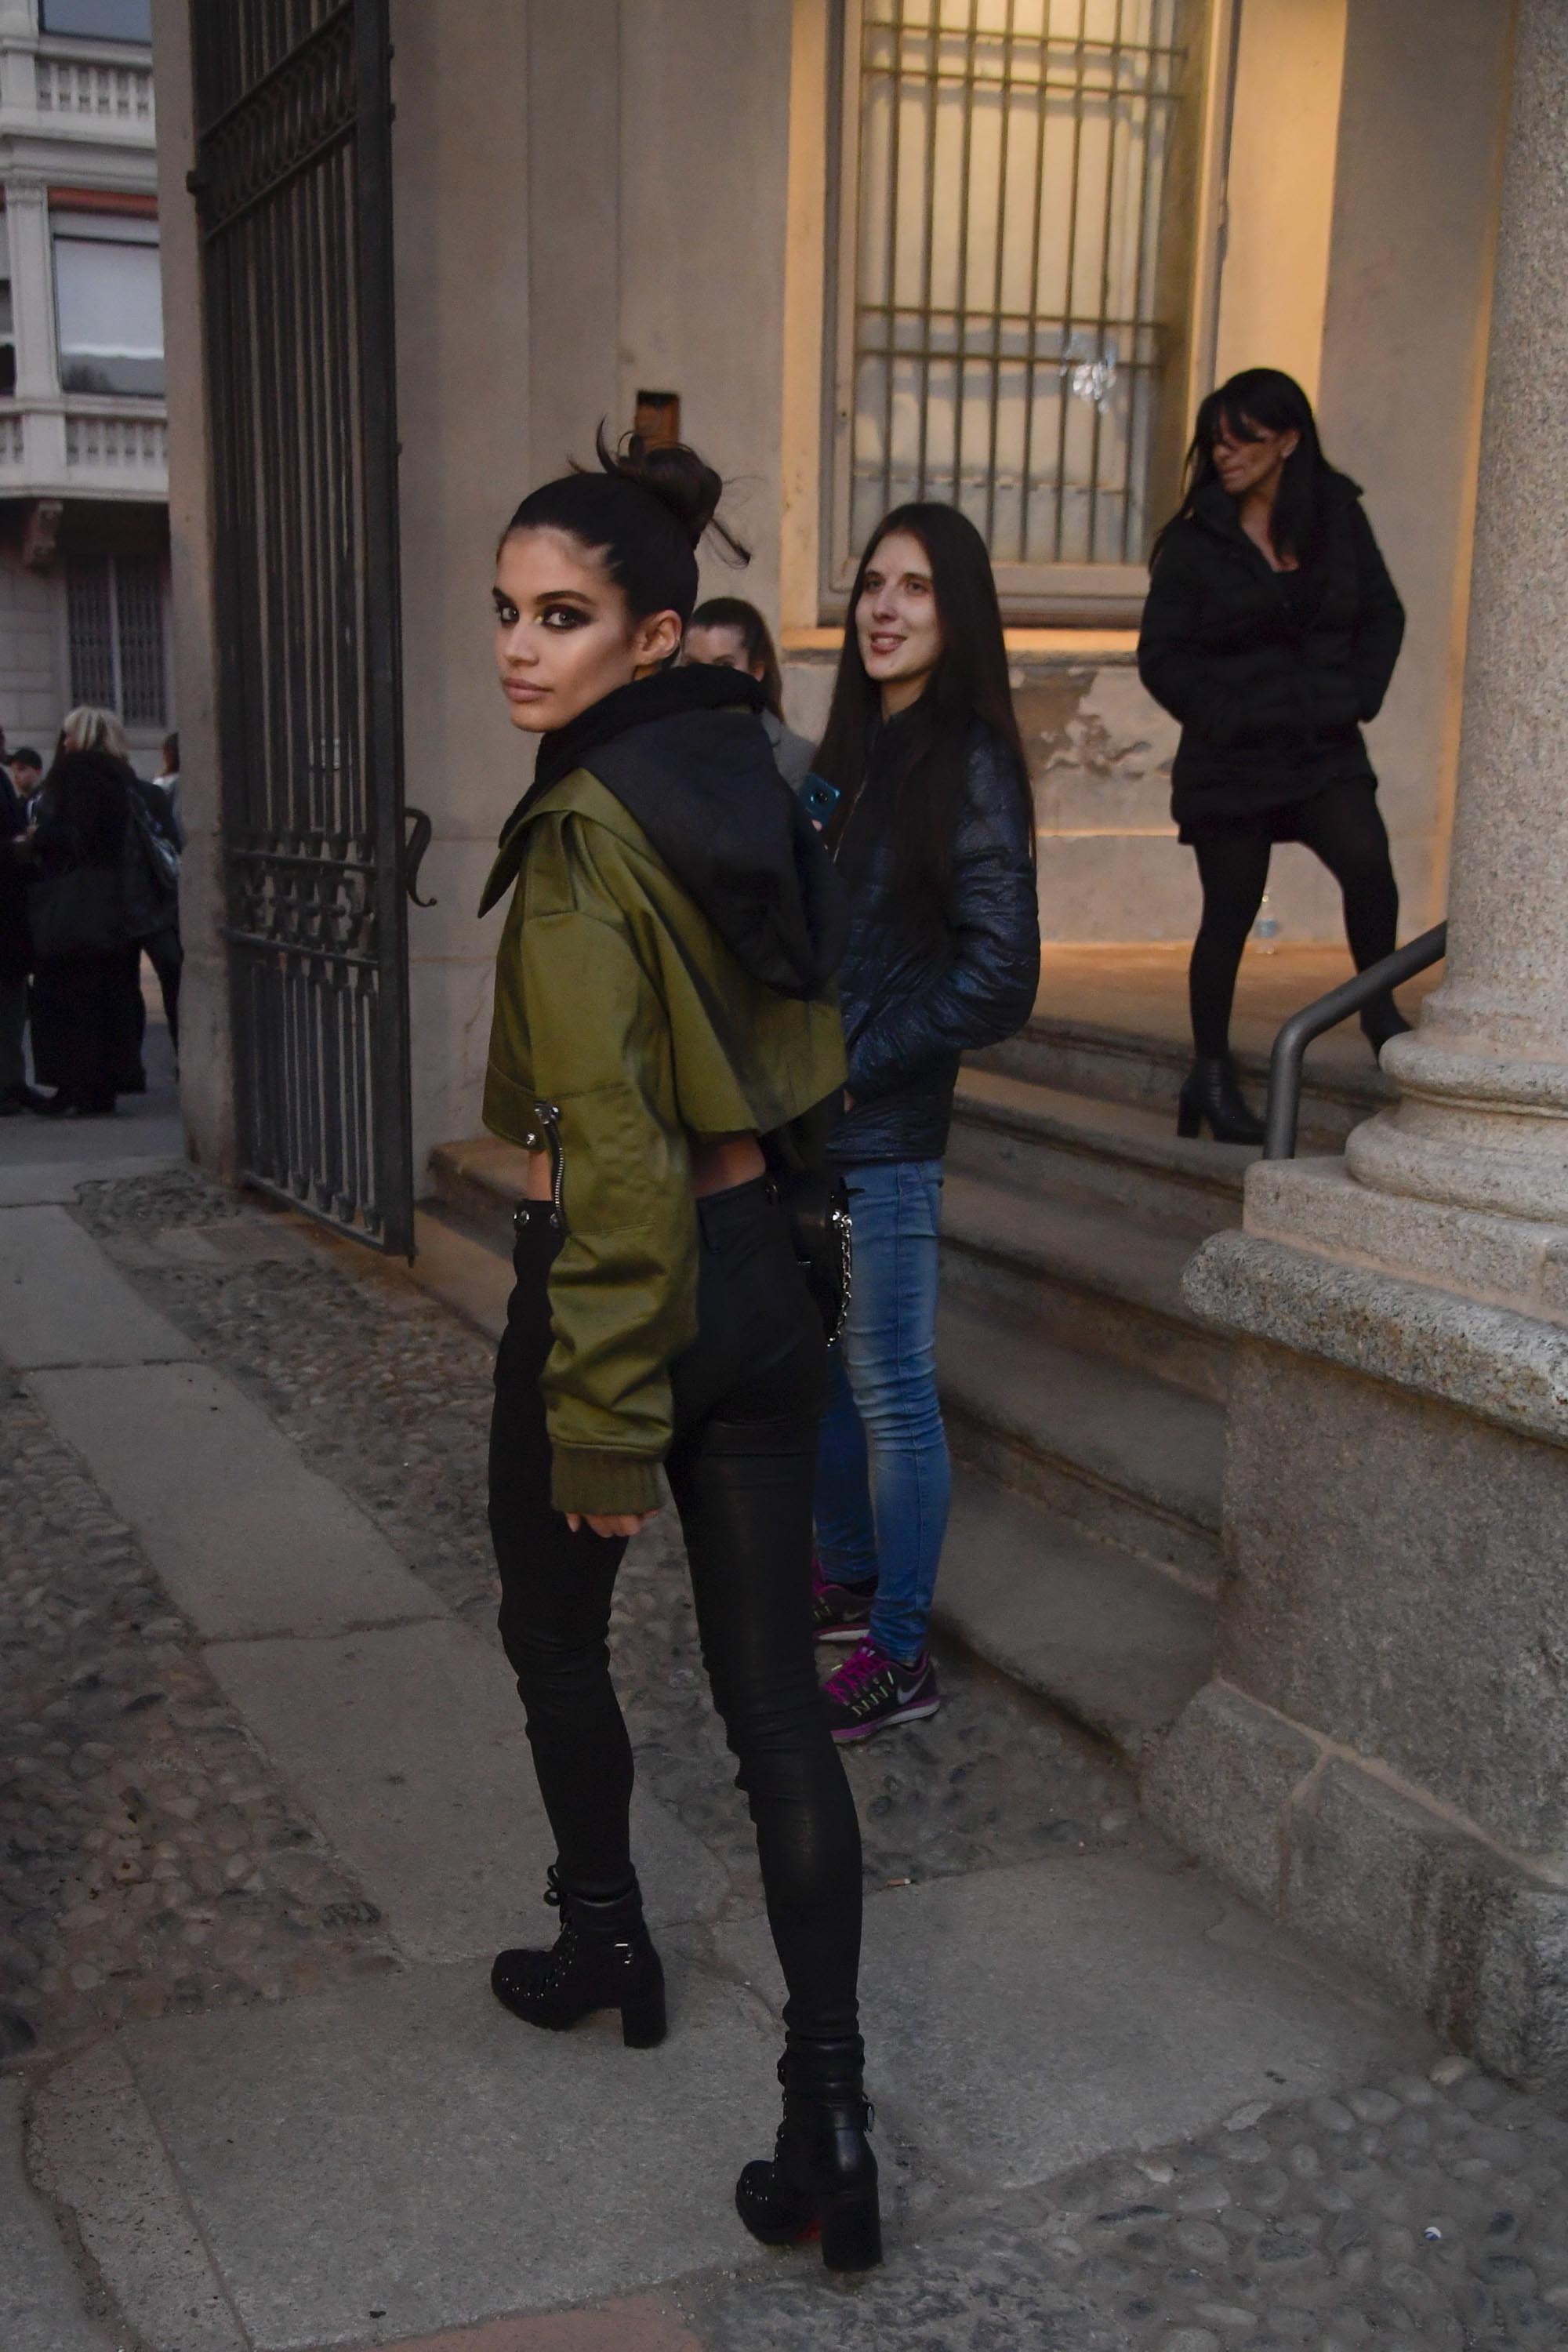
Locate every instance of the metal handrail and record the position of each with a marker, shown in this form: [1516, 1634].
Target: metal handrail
[1284, 1111]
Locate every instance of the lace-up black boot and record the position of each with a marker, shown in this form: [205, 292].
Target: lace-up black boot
[602, 1958]
[1211, 1092]
[822, 2177]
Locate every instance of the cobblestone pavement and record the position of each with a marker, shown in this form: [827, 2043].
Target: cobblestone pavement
[388, 1393]
[1413, 2216]
[152, 1862]
[148, 1860]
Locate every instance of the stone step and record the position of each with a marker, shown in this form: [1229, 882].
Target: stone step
[1146, 1069]
[1110, 1640]
[479, 1182]
[1079, 1147]
[1087, 1278]
[1125, 1456]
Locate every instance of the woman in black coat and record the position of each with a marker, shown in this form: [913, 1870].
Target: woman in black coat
[84, 1006]
[1272, 631]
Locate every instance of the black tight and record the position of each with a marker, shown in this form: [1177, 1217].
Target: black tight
[1341, 825]
[747, 1394]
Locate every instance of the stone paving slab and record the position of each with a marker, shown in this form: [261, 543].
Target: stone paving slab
[642, 2322]
[1022, 2020]
[94, 2148]
[404, 2157]
[407, 1746]
[62, 1303]
[40, 2300]
[248, 1539]
[25, 1181]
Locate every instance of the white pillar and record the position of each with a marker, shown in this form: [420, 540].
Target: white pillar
[1483, 1119]
[32, 289]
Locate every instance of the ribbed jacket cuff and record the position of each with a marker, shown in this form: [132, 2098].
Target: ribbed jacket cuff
[603, 1480]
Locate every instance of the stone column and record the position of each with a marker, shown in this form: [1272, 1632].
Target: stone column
[1381, 1754]
[1483, 1117]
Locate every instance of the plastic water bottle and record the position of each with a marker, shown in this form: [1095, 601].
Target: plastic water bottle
[1265, 929]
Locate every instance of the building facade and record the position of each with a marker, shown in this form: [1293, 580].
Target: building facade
[83, 436]
[992, 251]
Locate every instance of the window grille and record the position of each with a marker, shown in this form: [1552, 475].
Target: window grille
[139, 598]
[89, 611]
[1015, 263]
[115, 611]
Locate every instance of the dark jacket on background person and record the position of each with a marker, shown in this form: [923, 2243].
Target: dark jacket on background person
[915, 997]
[84, 1008]
[1272, 674]
[666, 971]
[16, 944]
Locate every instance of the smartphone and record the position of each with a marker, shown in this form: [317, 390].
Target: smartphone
[818, 798]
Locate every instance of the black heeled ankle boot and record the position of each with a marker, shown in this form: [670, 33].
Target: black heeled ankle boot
[822, 2176]
[1381, 1020]
[1211, 1095]
[602, 1958]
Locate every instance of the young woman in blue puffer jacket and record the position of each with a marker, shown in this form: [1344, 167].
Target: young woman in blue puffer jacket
[934, 834]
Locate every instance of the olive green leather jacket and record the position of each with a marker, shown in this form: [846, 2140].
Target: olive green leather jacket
[623, 1026]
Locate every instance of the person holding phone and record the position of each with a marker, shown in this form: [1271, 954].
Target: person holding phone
[934, 835]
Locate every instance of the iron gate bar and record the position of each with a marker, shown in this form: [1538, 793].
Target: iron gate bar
[294, 179]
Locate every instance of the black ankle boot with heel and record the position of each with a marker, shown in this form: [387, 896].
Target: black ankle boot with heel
[603, 1958]
[821, 2179]
[1212, 1097]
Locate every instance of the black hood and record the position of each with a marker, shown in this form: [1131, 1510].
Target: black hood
[685, 754]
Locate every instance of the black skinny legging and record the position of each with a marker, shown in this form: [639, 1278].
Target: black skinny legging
[1344, 826]
[747, 1397]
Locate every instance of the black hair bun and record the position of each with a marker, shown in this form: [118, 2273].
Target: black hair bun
[677, 477]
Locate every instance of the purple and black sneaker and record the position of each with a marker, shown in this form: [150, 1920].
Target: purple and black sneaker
[869, 1691]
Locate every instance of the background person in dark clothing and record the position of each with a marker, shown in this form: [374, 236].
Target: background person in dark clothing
[1272, 631]
[83, 1006]
[935, 837]
[16, 948]
[726, 632]
[88, 729]
[26, 775]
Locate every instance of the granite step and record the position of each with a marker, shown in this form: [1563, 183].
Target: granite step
[1107, 1638]
[1126, 1458]
[1084, 1277]
[1044, 1141]
[1145, 1069]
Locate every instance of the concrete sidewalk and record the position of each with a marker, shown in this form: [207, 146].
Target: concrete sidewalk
[1091, 2065]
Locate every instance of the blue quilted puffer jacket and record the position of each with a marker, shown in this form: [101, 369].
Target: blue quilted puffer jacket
[913, 1001]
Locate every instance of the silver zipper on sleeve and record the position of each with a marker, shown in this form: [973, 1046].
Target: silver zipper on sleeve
[548, 1114]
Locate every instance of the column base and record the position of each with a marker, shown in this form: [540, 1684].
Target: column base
[1382, 1756]
[1468, 1935]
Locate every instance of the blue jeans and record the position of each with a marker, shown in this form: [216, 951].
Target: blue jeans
[883, 1478]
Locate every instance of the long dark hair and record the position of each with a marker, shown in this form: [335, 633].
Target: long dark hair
[1266, 397]
[970, 682]
[643, 514]
[756, 638]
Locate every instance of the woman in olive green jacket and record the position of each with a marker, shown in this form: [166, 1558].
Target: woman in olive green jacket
[665, 1000]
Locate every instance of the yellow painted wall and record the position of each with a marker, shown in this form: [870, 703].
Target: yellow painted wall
[1280, 198]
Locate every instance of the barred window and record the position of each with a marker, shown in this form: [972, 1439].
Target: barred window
[1015, 265]
[115, 611]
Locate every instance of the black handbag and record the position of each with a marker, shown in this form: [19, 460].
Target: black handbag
[815, 1202]
[81, 912]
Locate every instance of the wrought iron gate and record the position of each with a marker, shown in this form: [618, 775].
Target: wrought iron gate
[292, 178]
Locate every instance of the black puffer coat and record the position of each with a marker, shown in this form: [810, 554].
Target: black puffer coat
[913, 1001]
[15, 945]
[1272, 674]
